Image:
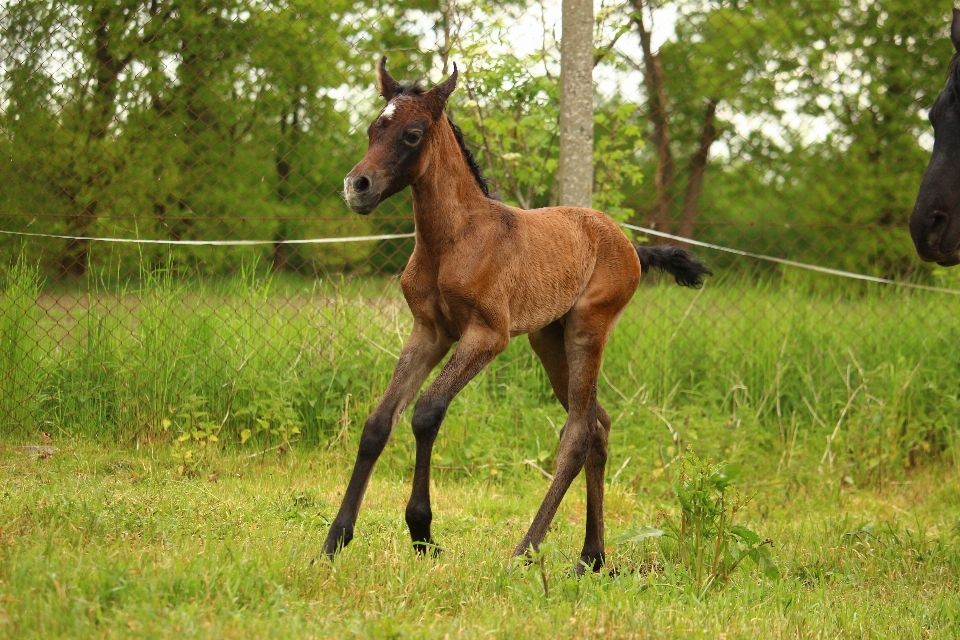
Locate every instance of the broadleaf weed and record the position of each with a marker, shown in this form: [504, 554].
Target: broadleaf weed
[702, 546]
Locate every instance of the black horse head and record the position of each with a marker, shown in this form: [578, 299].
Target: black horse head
[935, 221]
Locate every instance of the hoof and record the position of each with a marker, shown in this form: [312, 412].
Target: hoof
[339, 537]
[595, 564]
[525, 553]
[430, 548]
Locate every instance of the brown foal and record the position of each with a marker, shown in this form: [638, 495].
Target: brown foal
[482, 272]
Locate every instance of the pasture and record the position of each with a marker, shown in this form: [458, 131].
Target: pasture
[204, 435]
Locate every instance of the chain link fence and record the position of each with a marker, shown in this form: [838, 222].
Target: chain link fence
[793, 129]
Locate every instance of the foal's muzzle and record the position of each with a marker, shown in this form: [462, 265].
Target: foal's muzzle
[360, 194]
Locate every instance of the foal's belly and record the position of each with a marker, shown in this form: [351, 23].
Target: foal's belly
[551, 273]
[535, 307]
[526, 309]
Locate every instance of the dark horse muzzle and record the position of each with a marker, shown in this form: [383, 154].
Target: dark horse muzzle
[936, 236]
[935, 219]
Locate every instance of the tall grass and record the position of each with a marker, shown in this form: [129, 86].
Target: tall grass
[858, 381]
[20, 354]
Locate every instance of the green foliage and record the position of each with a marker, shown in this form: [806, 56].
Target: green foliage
[197, 433]
[705, 544]
[229, 109]
[271, 414]
[235, 120]
[821, 122]
[618, 142]
[512, 117]
[21, 373]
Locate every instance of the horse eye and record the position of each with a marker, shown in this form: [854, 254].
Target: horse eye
[412, 137]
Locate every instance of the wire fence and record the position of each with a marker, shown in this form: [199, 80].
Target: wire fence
[792, 129]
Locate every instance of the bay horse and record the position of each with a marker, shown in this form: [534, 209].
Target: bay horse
[481, 273]
[935, 220]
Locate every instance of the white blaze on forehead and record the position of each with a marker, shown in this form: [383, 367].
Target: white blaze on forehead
[388, 110]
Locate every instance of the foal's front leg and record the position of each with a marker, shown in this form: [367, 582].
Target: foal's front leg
[477, 347]
[424, 349]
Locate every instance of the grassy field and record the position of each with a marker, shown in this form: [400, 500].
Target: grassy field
[158, 515]
[108, 542]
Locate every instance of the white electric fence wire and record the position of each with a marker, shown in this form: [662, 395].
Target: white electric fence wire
[791, 263]
[397, 236]
[216, 243]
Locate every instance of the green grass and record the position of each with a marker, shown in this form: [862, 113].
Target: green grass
[109, 542]
[19, 346]
[839, 401]
[866, 376]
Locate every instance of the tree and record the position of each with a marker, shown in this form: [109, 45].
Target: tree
[189, 120]
[85, 158]
[575, 171]
[799, 100]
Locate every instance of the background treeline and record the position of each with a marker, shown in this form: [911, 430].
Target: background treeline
[778, 125]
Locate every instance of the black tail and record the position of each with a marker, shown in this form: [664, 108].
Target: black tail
[681, 264]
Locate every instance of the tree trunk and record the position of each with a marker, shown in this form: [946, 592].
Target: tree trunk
[575, 172]
[653, 80]
[282, 250]
[191, 113]
[107, 68]
[446, 7]
[201, 56]
[698, 165]
[73, 258]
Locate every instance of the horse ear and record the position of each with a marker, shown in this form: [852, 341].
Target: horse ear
[388, 87]
[441, 92]
[955, 30]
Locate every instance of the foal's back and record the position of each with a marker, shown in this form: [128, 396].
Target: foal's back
[541, 262]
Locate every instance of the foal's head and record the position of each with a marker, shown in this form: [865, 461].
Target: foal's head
[399, 140]
[935, 221]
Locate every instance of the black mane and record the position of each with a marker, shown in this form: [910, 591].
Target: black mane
[410, 89]
[469, 157]
[951, 87]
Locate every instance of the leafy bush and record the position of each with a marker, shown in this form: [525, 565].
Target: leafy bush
[702, 545]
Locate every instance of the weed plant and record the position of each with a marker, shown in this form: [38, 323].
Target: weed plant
[701, 546]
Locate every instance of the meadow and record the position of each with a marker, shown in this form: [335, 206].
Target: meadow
[204, 434]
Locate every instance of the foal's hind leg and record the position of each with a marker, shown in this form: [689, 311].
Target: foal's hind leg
[476, 348]
[585, 335]
[593, 554]
[548, 344]
[423, 350]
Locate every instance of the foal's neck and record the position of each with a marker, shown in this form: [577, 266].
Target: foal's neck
[446, 197]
